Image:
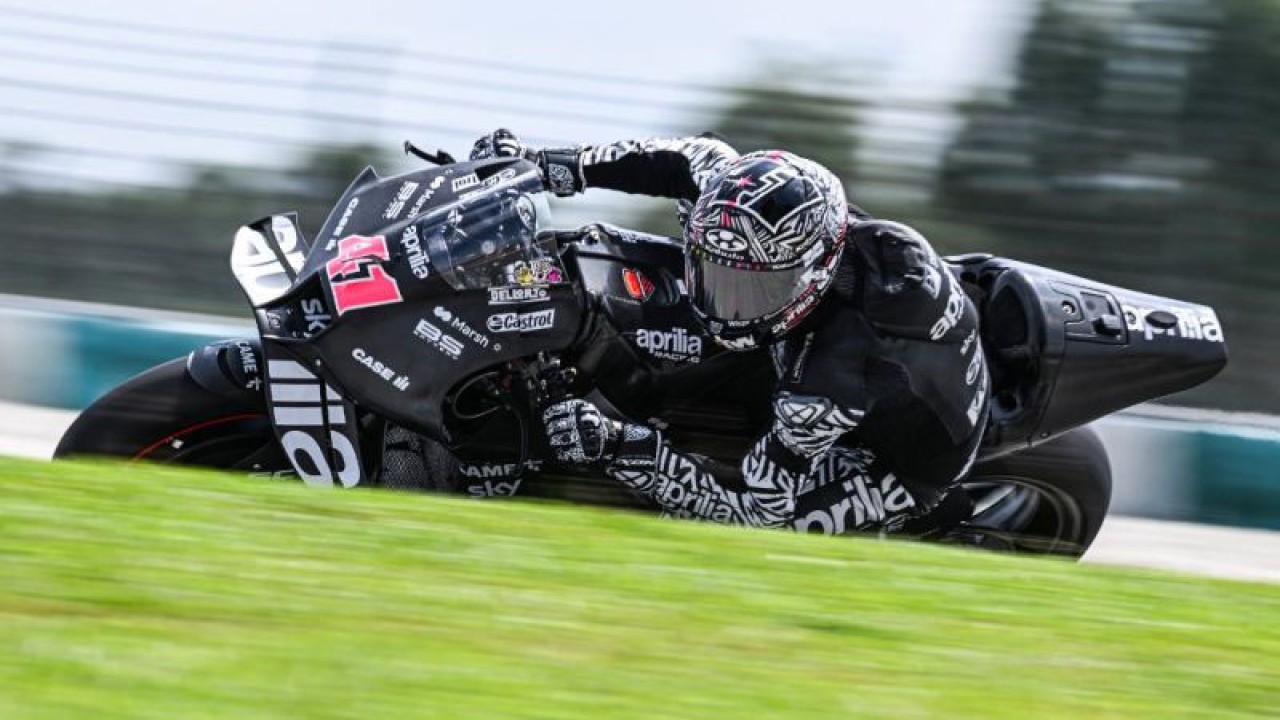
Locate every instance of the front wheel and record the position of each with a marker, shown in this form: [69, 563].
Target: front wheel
[1046, 500]
[164, 415]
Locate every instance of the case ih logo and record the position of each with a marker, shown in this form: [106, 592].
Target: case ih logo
[357, 278]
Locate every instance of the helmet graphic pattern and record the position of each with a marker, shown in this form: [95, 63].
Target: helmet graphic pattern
[769, 209]
[762, 245]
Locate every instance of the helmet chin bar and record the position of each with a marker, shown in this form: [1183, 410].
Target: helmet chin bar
[748, 335]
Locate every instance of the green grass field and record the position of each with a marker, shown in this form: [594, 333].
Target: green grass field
[160, 593]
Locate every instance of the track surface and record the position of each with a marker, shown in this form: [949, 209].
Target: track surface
[27, 431]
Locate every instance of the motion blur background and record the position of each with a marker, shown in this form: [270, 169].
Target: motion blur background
[1135, 142]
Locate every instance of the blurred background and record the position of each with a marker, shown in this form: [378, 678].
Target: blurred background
[1136, 142]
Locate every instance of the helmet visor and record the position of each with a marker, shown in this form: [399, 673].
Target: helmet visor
[729, 293]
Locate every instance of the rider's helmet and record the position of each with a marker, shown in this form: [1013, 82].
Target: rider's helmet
[762, 244]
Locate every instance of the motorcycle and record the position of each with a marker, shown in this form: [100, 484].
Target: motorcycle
[412, 343]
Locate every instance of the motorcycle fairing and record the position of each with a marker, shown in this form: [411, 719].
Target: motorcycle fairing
[267, 256]
[421, 280]
[314, 424]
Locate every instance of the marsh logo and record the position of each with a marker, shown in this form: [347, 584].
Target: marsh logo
[461, 326]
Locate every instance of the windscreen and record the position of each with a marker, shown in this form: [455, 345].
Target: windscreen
[490, 238]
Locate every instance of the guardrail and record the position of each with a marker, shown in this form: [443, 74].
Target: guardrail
[1168, 463]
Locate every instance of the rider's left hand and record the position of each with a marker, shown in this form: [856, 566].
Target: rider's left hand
[579, 433]
[500, 143]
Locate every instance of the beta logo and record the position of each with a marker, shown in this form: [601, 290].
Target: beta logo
[356, 276]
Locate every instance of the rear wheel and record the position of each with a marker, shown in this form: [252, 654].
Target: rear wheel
[164, 415]
[1047, 500]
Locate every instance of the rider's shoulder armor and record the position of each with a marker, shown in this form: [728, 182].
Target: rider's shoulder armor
[891, 338]
[901, 285]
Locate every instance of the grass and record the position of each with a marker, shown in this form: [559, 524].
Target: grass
[162, 593]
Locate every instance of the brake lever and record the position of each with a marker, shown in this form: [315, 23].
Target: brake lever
[550, 382]
[440, 157]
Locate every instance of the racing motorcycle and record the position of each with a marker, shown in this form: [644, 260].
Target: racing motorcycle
[412, 343]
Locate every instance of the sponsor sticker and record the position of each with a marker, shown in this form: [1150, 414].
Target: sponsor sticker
[412, 244]
[430, 333]
[522, 322]
[425, 196]
[356, 275]
[1192, 323]
[675, 344]
[381, 369]
[249, 365]
[527, 273]
[466, 181]
[342, 222]
[303, 408]
[316, 315]
[496, 469]
[453, 321]
[406, 191]
[491, 488]
[516, 295]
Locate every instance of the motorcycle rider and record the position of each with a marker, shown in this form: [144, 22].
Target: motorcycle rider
[882, 389]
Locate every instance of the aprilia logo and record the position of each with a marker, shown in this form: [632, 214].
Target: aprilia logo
[675, 344]
[412, 245]
[1192, 323]
[863, 504]
[357, 278]
[303, 408]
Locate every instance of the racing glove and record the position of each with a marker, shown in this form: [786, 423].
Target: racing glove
[561, 171]
[579, 434]
[501, 143]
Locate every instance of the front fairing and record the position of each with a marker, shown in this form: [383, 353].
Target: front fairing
[418, 281]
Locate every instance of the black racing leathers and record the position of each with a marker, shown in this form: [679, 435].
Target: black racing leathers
[882, 391]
